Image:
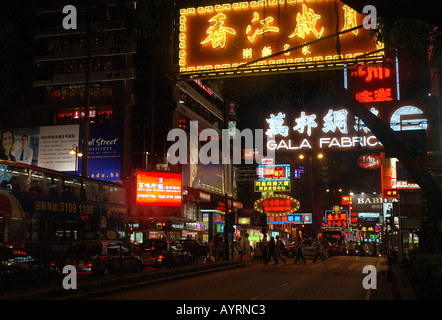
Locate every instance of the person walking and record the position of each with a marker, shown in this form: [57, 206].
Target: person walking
[300, 255]
[324, 248]
[245, 246]
[265, 248]
[257, 253]
[318, 251]
[279, 248]
[272, 253]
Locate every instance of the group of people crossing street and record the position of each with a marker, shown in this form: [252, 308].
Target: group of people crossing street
[268, 250]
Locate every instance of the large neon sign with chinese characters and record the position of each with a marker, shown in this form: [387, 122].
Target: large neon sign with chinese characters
[242, 35]
[334, 128]
[158, 189]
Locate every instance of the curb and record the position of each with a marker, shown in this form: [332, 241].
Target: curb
[118, 282]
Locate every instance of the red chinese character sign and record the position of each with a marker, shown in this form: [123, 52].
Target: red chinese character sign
[337, 219]
[277, 205]
[238, 37]
[371, 84]
[158, 189]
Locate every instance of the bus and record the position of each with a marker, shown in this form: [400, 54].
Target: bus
[40, 206]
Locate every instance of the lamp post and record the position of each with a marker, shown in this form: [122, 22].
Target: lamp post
[78, 154]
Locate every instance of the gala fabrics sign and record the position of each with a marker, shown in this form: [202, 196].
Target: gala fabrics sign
[227, 36]
[332, 128]
[158, 188]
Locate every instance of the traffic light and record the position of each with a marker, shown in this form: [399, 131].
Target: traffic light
[389, 222]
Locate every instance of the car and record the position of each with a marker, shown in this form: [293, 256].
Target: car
[290, 250]
[161, 253]
[19, 268]
[101, 257]
[197, 249]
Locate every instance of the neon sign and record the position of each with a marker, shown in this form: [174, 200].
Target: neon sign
[277, 205]
[273, 172]
[227, 36]
[336, 219]
[158, 188]
[338, 131]
[296, 218]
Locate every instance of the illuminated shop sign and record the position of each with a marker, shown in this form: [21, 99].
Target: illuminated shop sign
[346, 200]
[297, 218]
[277, 205]
[270, 185]
[273, 172]
[227, 36]
[369, 161]
[332, 129]
[391, 180]
[158, 188]
[373, 84]
[336, 219]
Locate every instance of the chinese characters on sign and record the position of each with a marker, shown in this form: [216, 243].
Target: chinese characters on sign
[228, 35]
[335, 129]
[277, 205]
[264, 186]
[273, 172]
[158, 188]
[337, 220]
[297, 218]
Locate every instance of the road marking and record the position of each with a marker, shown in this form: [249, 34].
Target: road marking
[352, 266]
[283, 285]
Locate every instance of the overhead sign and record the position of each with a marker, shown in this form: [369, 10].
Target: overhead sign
[158, 188]
[227, 38]
[296, 218]
[273, 172]
[264, 186]
[277, 205]
[336, 219]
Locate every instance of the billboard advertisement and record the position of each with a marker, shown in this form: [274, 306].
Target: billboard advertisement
[158, 189]
[49, 146]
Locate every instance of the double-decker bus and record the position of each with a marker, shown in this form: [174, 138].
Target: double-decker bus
[40, 206]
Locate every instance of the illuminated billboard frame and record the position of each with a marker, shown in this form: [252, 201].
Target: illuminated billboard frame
[158, 188]
[272, 36]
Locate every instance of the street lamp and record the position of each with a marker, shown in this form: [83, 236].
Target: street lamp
[78, 154]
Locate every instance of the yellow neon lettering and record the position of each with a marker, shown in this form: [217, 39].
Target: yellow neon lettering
[306, 23]
[218, 32]
[266, 27]
[350, 19]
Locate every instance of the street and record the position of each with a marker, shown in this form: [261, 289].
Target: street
[340, 279]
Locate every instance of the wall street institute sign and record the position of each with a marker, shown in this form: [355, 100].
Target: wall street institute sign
[243, 38]
[277, 205]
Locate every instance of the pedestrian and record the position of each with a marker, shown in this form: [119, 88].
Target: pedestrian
[257, 252]
[279, 248]
[265, 248]
[238, 246]
[318, 252]
[300, 246]
[324, 248]
[220, 249]
[272, 252]
[245, 246]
